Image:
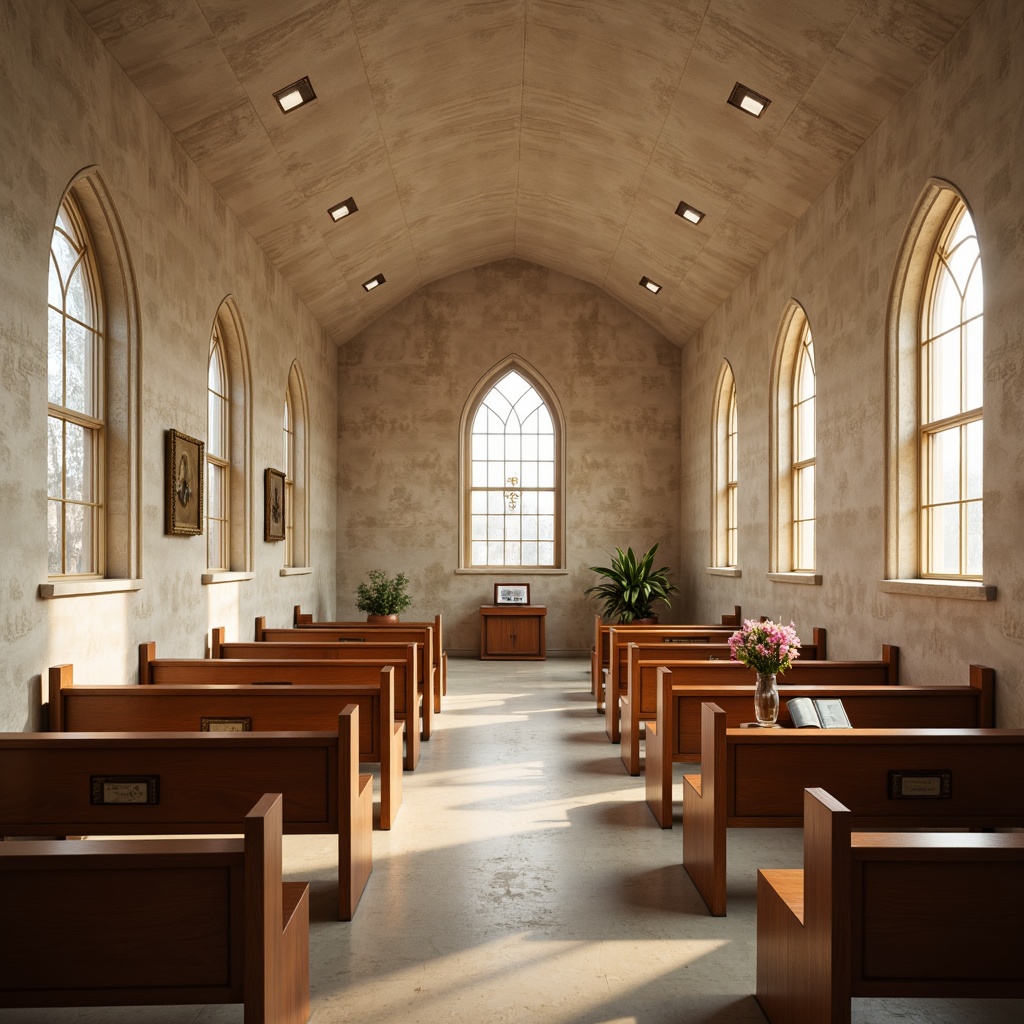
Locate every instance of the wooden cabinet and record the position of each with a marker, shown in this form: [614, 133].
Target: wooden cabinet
[512, 632]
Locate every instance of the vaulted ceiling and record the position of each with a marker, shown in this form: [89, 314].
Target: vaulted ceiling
[564, 132]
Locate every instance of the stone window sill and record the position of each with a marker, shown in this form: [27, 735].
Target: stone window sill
[809, 579]
[961, 590]
[86, 588]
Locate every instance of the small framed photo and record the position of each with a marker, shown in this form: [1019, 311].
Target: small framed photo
[511, 593]
[185, 472]
[273, 505]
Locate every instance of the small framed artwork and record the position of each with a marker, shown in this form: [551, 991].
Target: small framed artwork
[185, 471]
[273, 505]
[511, 593]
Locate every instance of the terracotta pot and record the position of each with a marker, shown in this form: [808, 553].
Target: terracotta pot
[389, 620]
[652, 621]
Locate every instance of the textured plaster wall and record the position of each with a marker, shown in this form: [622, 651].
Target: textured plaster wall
[402, 386]
[962, 122]
[65, 105]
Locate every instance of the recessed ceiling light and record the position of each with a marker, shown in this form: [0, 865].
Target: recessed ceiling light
[749, 101]
[690, 213]
[374, 282]
[343, 209]
[651, 286]
[293, 96]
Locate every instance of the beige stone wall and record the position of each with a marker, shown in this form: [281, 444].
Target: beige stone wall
[402, 386]
[65, 105]
[962, 122]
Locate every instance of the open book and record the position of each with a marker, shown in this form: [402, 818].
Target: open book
[819, 713]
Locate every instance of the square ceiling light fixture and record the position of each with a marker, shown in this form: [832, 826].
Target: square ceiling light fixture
[296, 95]
[340, 210]
[690, 213]
[652, 286]
[374, 282]
[749, 101]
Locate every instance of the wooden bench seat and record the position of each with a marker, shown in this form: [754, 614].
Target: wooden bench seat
[638, 697]
[304, 620]
[162, 921]
[411, 701]
[755, 778]
[270, 708]
[887, 914]
[187, 782]
[298, 671]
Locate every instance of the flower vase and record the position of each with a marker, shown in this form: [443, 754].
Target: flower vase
[766, 700]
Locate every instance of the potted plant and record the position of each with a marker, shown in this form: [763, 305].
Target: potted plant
[632, 585]
[383, 597]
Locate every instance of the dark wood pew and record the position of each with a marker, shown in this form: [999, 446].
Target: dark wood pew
[599, 650]
[675, 733]
[638, 699]
[312, 643]
[185, 783]
[421, 635]
[162, 921]
[614, 674]
[273, 666]
[304, 620]
[887, 914]
[238, 708]
[755, 778]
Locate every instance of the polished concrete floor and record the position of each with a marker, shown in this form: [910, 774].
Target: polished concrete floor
[526, 881]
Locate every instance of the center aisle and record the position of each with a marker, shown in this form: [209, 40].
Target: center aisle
[525, 880]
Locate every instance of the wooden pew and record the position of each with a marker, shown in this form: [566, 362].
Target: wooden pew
[614, 675]
[675, 733]
[193, 783]
[151, 922]
[887, 914]
[755, 778]
[304, 620]
[599, 651]
[240, 708]
[316, 644]
[638, 700]
[361, 632]
[274, 666]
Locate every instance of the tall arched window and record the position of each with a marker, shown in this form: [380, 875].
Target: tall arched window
[296, 506]
[725, 472]
[512, 473]
[793, 450]
[228, 450]
[935, 433]
[75, 391]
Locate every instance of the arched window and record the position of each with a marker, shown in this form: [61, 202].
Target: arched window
[512, 473]
[92, 399]
[296, 504]
[793, 484]
[228, 449]
[725, 472]
[935, 403]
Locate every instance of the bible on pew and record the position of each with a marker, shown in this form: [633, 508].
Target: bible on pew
[818, 713]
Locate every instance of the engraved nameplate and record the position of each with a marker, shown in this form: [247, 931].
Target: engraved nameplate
[921, 785]
[212, 724]
[124, 789]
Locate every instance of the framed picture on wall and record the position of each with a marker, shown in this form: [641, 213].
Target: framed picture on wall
[511, 593]
[184, 484]
[273, 502]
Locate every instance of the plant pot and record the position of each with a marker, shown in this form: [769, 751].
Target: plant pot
[388, 620]
[651, 620]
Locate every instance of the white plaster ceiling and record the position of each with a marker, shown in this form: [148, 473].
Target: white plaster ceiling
[564, 132]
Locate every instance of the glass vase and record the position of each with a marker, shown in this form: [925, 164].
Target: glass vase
[766, 699]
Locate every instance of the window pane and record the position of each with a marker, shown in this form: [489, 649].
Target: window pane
[495, 502]
[478, 552]
[478, 474]
[546, 503]
[944, 466]
[804, 439]
[973, 335]
[945, 313]
[545, 554]
[478, 502]
[529, 553]
[547, 475]
[805, 493]
[512, 448]
[77, 465]
[78, 363]
[944, 365]
[54, 516]
[495, 528]
[529, 525]
[55, 358]
[78, 538]
[964, 253]
[54, 457]
[546, 526]
[974, 301]
[512, 555]
[478, 449]
[495, 552]
[974, 443]
[79, 295]
[944, 539]
[213, 545]
[478, 528]
[512, 527]
[214, 495]
[974, 537]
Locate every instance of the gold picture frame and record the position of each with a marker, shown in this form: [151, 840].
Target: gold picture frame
[185, 473]
[273, 505]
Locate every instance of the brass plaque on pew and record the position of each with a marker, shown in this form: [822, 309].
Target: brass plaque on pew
[921, 784]
[124, 789]
[209, 723]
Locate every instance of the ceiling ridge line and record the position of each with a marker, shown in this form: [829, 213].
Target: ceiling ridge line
[384, 141]
[522, 118]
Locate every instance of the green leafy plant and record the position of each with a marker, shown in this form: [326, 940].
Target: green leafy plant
[632, 586]
[383, 594]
